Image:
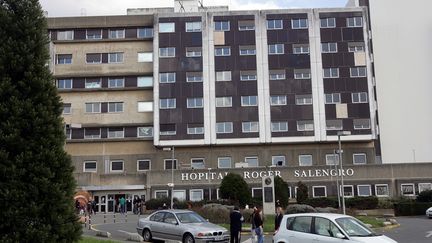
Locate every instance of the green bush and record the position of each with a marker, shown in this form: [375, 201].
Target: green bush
[256, 201]
[385, 203]
[362, 202]
[217, 214]
[322, 202]
[299, 208]
[411, 208]
[234, 187]
[425, 196]
[302, 192]
[157, 203]
[281, 192]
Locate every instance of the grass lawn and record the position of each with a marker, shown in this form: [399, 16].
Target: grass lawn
[268, 224]
[94, 240]
[371, 220]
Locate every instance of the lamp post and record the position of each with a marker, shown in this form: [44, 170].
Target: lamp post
[337, 179]
[209, 181]
[339, 134]
[172, 174]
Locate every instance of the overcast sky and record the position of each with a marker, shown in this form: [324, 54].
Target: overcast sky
[57, 8]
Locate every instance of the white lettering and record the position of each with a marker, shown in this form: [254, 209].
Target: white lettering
[246, 175]
[193, 176]
[220, 176]
[270, 173]
[333, 172]
[184, 177]
[350, 172]
[262, 174]
[325, 172]
[310, 173]
[213, 175]
[318, 173]
[255, 174]
[303, 174]
[200, 175]
[277, 173]
[296, 173]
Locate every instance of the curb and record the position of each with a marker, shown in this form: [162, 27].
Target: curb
[132, 236]
[389, 227]
[101, 233]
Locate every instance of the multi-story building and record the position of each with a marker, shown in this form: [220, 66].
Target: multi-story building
[184, 97]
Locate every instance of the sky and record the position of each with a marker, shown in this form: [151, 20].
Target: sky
[59, 8]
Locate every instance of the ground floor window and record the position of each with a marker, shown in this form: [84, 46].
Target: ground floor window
[348, 190]
[196, 194]
[179, 194]
[364, 190]
[289, 192]
[407, 189]
[161, 193]
[424, 186]
[257, 192]
[381, 190]
[319, 191]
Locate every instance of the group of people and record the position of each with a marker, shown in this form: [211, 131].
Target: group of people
[90, 208]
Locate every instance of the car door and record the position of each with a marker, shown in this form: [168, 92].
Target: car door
[171, 227]
[156, 225]
[300, 230]
[326, 231]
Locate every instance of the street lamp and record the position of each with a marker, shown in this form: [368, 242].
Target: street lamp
[337, 178]
[339, 134]
[209, 178]
[172, 173]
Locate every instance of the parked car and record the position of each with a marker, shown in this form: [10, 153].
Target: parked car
[429, 212]
[326, 228]
[180, 225]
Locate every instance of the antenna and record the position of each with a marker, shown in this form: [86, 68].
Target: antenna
[201, 3]
[181, 6]
[83, 12]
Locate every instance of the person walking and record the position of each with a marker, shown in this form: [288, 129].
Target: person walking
[251, 220]
[122, 203]
[236, 220]
[259, 225]
[278, 218]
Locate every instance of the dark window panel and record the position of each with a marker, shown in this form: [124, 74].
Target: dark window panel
[353, 34]
[105, 33]
[78, 83]
[131, 33]
[130, 132]
[77, 133]
[104, 132]
[330, 111]
[131, 81]
[358, 110]
[53, 35]
[104, 82]
[104, 57]
[80, 34]
[104, 107]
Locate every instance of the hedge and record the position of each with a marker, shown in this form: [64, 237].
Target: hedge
[411, 208]
[362, 203]
[322, 202]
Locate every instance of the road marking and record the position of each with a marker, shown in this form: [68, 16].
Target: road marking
[428, 234]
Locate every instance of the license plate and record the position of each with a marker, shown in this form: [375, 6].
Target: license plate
[219, 238]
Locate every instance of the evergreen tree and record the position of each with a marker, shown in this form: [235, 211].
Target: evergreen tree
[36, 180]
[302, 192]
[281, 191]
[234, 187]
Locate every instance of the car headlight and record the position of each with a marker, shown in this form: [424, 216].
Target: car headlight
[204, 234]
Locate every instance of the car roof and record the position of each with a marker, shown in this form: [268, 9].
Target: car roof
[332, 216]
[174, 211]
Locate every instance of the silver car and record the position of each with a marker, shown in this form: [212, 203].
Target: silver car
[180, 225]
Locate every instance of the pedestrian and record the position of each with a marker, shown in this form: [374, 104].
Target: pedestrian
[236, 219]
[94, 206]
[251, 220]
[164, 206]
[122, 202]
[89, 207]
[77, 205]
[278, 218]
[259, 225]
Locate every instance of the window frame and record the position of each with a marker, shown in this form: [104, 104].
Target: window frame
[224, 157]
[195, 130]
[306, 99]
[115, 132]
[313, 191]
[327, 26]
[193, 29]
[140, 136]
[143, 56]
[116, 105]
[219, 26]
[67, 61]
[293, 21]
[334, 128]
[249, 50]
[191, 50]
[278, 98]
[274, 25]
[66, 35]
[143, 103]
[251, 124]
[222, 51]
[333, 100]
[364, 185]
[169, 77]
[248, 97]
[301, 47]
[342, 191]
[356, 97]
[279, 123]
[116, 171]
[304, 156]
[117, 36]
[382, 185]
[223, 74]
[277, 49]
[201, 191]
[328, 46]
[168, 106]
[145, 29]
[302, 74]
[358, 154]
[278, 156]
[95, 62]
[333, 162]
[175, 164]
[330, 73]
[355, 20]
[149, 164]
[362, 127]
[93, 105]
[194, 77]
[64, 81]
[92, 170]
[217, 104]
[116, 80]
[224, 130]
[195, 100]
[171, 28]
[306, 123]
[358, 75]
[408, 184]
[117, 57]
[277, 74]
[168, 52]
[68, 107]
[252, 157]
[144, 79]
[196, 161]
[99, 36]
[245, 26]
[92, 136]
[155, 196]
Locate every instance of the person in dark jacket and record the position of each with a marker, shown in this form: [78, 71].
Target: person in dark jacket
[259, 225]
[236, 220]
[278, 218]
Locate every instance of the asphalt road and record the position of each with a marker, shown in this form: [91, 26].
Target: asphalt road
[412, 230]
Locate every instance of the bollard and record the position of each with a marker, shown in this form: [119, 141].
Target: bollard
[114, 217]
[85, 221]
[104, 217]
[126, 218]
[89, 224]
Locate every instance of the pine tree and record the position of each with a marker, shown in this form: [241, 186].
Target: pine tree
[302, 192]
[281, 191]
[234, 187]
[36, 180]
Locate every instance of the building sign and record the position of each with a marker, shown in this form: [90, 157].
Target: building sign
[323, 173]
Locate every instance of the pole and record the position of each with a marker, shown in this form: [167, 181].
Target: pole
[172, 177]
[337, 179]
[342, 174]
[209, 174]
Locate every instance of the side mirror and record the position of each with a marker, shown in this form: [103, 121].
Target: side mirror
[174, 222]
[340, 236]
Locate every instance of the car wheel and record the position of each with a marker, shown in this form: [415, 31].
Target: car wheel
[147, 236]
[188, 238]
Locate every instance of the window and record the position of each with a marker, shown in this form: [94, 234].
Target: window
[196, 195]
[359, 158]
[193, 26]
[301, 224]
[90, 166]
[251, 161]
[194, 102]
[64, 58]
[94, 107]
[223, 51]
[278, 160]
[305, 126]
[116, 34]
[303, 99]
[274, 24]
[145, 81]
[329, 47]
[299, 23]
[115, 57]
[358, 72]
[145, 106]
[245, 25]
[334, 98]
[223, 101]
[169, 164]
[195, 129]
[319, 191]
[222, 25]
[68, 133]
[301, 49]
[167, 129]
[145, 132]
[194, 77]
[224, 127]
[424, 187]
[334, 125]
[302, 74]
[305, 160]
[167, 78]
[146, 32]
[193, 51]
[407, 189]
[67, 108]
[64, 83]
[93, 58]
[166, 27]
[167, 52]
[256, 192]
[179, 194]
[91, 133]
[348, 190]
[278, 100]
[249, 127]
[197, 163]
[160, 194]
[277, 74]
[115, 132]
[249, 101]
[331, 72]
[224, 162]
[328, 23]
[247, 50]
[325, 227]
[223, 76]
[276, 49]
[117, 166]
[93, 83]
[116, 82]
[143, 165]
[65, 35]
[381, 190]
[355, 22]
[279, 126]
[356, 47]
[360, 124]
[115, 107]
[248, 75]
[364, 190]
[145, 57]
[332, 159]
[167, 103]
[93, 34]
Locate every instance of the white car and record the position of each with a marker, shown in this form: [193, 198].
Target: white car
[325, 228]
[429, 212]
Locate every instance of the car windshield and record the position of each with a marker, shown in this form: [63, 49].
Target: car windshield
[354, 227]
[190, 217]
